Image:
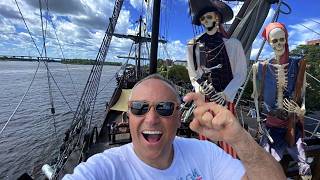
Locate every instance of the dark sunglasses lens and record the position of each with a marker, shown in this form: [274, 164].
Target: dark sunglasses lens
[165, 108]
[139, 108]
[209, 17]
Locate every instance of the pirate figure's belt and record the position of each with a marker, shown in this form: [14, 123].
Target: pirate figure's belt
[279, 113]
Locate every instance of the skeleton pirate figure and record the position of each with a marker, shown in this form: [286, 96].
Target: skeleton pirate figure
[216, 64]
[280, 84]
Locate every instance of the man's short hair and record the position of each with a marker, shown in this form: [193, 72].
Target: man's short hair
[161, 78]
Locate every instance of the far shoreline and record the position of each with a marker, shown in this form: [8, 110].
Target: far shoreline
[67, 61]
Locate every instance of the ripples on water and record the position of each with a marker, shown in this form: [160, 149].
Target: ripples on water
[29, 140]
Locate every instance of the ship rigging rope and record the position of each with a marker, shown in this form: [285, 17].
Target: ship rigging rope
[310, 29]
[60, 47]
[89, 93]
[47, 67]
[121, 68]
[21, 100]
[44, 32]
[40, 54]
[24, 21]
[315, 21]
[313, 77]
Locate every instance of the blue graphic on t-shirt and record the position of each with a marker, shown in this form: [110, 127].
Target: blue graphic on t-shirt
[194, 175]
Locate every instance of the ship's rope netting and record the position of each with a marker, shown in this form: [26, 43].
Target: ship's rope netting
[82, 120]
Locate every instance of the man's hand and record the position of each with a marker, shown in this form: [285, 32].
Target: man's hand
[218, 123]
[214, 121]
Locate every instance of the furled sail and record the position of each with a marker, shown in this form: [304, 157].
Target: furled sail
[249, 21]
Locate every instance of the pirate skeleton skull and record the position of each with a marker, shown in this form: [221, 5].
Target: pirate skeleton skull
[277, 40]
[210, 21]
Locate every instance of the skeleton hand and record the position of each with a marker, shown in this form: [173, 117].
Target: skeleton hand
[219, 98]
[293, 107]
[206, 88]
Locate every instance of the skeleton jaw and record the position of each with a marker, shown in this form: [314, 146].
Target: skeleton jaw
[279, 51]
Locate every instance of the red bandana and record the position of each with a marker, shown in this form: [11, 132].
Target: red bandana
[265, 35]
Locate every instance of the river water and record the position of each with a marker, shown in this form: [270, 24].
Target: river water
[30, 139]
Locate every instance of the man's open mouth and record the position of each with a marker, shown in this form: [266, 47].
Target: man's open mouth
[152, 136]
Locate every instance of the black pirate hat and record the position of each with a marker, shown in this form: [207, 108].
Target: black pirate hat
[200, 7]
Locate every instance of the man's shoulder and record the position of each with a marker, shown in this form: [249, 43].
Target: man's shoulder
[116, 154]
[191, 144]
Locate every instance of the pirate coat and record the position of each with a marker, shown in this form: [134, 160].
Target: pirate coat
[237, 63]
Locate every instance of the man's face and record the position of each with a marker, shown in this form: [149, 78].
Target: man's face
[209, 20]
[153, 134]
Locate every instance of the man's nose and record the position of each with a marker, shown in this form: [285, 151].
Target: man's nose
[152, 116]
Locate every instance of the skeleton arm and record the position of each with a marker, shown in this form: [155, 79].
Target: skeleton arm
[238, 65]
[193, 73]
[255, 94]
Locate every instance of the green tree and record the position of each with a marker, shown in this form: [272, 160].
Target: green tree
[178, 73]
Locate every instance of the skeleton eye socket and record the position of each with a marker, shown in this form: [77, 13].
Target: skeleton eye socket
[202, 18]
[274, 40]
[209, 17]
[281, 39]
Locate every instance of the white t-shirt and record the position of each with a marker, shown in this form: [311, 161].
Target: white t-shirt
[193, 160]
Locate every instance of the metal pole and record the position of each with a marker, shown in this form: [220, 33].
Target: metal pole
[139, 49]
[154, 36]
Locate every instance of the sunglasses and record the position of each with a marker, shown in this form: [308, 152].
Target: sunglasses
[202, 18]
[164, 109]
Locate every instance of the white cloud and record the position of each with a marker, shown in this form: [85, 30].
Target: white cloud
[80, 26]
[302, 32]
[177, 50]
[123, 25]
[137, 4]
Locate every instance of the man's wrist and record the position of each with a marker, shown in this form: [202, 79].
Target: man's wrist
[240, 140]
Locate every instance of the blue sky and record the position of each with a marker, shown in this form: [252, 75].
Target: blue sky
[80, 26]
